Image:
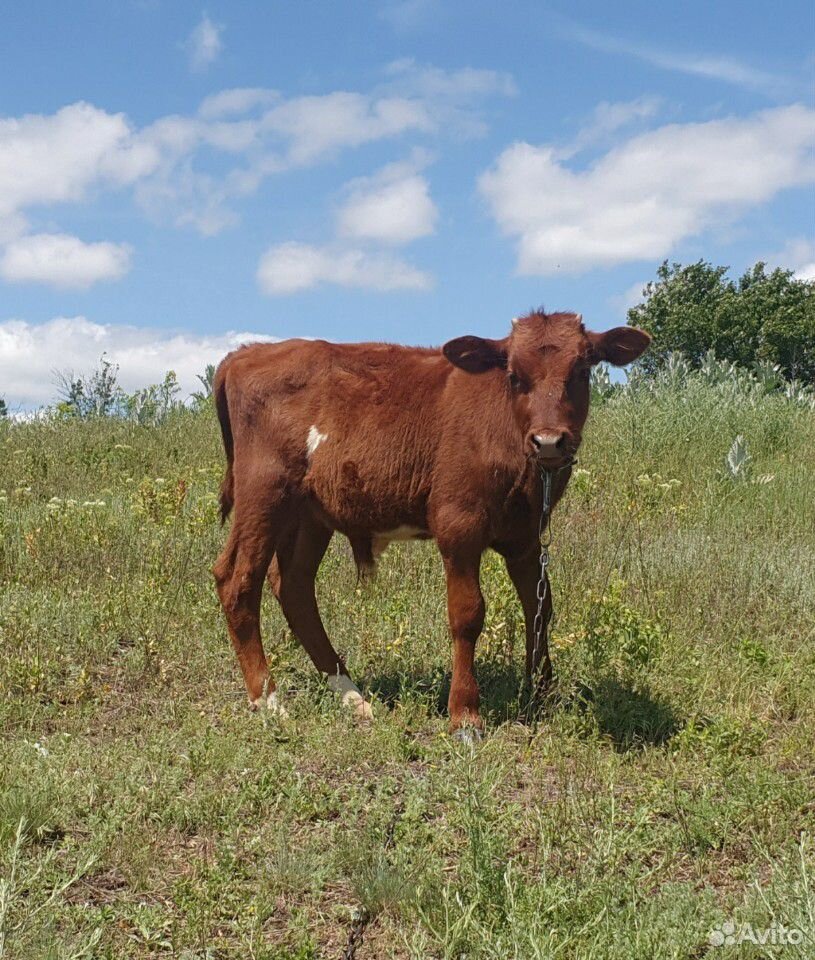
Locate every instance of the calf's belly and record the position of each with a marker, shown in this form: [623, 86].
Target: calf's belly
[355, 500]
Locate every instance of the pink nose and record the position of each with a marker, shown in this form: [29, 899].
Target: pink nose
[549, 446]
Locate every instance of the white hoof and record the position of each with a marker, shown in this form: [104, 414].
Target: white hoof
[468, 735]
[270, 702]
[351, 696]
[363, 710]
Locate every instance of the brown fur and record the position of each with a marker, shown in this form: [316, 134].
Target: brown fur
[441, 441]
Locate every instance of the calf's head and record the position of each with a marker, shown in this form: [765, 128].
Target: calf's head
[547, 360]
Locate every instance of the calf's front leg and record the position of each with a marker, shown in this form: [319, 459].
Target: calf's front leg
[525, 573]
[465, 609]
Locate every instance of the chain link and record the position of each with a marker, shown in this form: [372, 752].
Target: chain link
[541, 624]
[542, 588]
[362, 917]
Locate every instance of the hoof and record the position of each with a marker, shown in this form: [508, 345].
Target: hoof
[363, 711]
[469, 735]
[270, 702]
[351, 697]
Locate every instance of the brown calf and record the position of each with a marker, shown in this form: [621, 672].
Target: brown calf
[382, 442]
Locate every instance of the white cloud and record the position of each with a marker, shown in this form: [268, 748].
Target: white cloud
[450, 98]
[806, 272]
[63, 261]
[797, 255]
[204, 43]
[643, 197]
[237, 101]
[436, 83]
[407, 15]
[393, 206]
[177, 165]
[31, 353]
[609, 117]
[60, 158]
[317, 126]
[621, 303]
[293, 267]
[56, 158]
[289, 134]
[711, 67]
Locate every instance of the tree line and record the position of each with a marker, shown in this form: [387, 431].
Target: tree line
[761, 318]
[764, 317]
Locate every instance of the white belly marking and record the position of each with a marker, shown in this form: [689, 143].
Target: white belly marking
[381, 540]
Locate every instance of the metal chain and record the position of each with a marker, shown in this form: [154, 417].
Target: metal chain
[541, 625]
[542, 588]
[356, 934]
[362, 916]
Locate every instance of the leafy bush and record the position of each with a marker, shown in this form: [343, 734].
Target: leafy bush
[764, 318]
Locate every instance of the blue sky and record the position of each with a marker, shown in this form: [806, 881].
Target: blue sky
[174, 177]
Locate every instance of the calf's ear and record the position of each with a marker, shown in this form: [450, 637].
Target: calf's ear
[475, 354]
[619, 346]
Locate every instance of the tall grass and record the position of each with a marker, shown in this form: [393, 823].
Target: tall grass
[666, 791]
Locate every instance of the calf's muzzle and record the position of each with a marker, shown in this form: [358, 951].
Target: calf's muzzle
[553, 447]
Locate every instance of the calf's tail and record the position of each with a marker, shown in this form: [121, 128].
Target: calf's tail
[227, 495]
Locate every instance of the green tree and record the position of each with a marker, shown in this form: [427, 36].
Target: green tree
[763, 317]
[3, 408]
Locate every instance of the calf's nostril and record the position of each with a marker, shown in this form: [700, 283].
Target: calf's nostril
[549, 444]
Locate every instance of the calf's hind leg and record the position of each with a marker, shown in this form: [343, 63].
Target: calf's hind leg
[292, 574]
[239, 572]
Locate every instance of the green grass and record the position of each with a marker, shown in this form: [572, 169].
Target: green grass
[667, 789]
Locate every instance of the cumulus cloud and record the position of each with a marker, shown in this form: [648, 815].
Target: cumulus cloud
[608, 118]
[797, 255]
[316, 126]
[60, 158]
[643, 197]
[63, 261]
[56, 158]
[192, 170]
[31, 353]
[237, 101]
[621, 303]
[293, 267]
[393, 206]
[204, 44]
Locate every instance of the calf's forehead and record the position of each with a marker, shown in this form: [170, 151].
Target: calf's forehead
[559, 339]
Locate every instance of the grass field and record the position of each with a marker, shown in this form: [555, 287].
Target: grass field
[668, 789]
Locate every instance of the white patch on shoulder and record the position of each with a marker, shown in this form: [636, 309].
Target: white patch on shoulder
[351, 696]
[314, 439]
